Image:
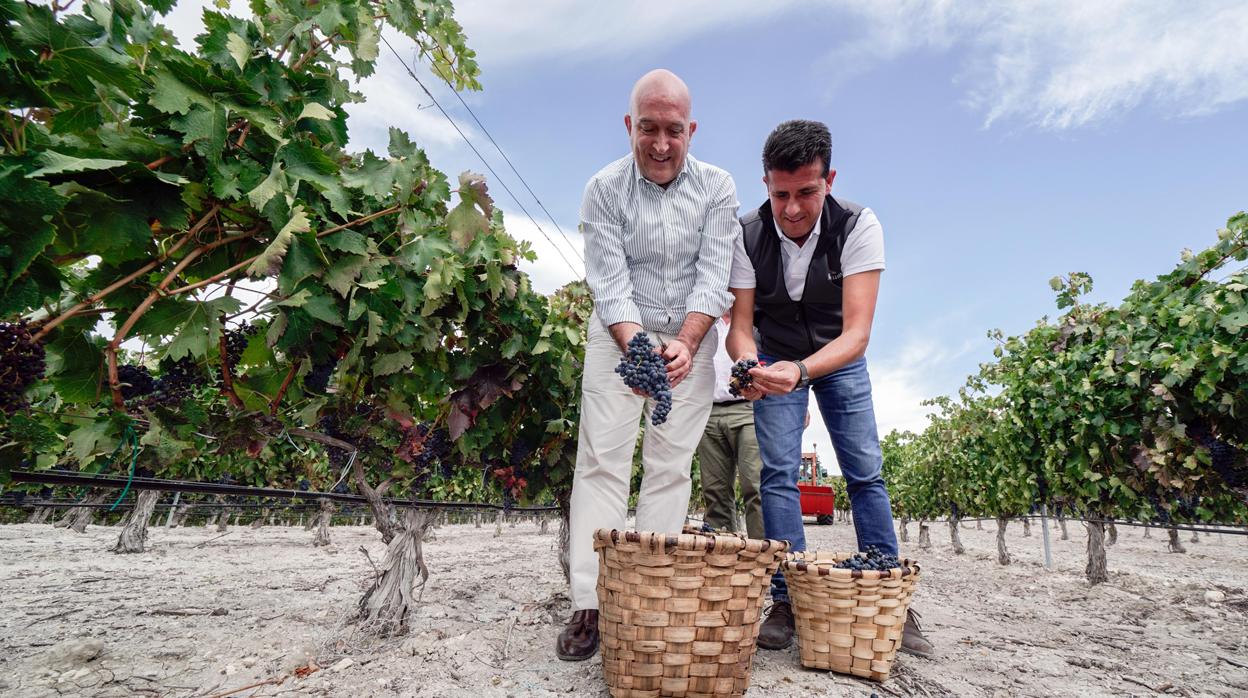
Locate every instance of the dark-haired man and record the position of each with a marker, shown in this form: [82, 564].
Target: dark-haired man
[805, 277]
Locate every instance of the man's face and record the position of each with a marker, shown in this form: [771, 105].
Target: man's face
[797, 197]
[660, 137]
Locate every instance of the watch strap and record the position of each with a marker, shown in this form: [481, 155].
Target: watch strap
[803, 377]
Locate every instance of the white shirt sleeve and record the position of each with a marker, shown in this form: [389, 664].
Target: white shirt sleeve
[742, 274]
[864, 247]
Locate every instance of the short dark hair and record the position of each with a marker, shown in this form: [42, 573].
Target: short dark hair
[797, 143]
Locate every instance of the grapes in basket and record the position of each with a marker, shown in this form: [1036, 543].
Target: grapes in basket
[872, 559]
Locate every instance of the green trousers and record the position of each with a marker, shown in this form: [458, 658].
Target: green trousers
[728, 451]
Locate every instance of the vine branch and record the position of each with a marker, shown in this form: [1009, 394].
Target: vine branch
[246, 262]
[143, 307]
[281, 392]
[227, 379]
[190, 234]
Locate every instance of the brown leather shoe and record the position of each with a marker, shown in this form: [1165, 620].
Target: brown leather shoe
[777, 631]
[912, 639]
[579, 639]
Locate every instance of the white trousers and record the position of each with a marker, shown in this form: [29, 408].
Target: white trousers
[610, 417]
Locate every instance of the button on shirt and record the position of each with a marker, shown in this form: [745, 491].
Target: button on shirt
[654, 254]
[863, 251]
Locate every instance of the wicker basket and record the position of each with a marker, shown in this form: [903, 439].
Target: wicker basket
[848, 620]
[678, 615]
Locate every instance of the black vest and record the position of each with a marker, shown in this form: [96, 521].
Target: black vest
[788, 329]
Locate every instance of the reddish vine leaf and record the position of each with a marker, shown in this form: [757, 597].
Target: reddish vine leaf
[486, 385]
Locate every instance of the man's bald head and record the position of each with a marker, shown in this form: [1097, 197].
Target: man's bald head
[658, 124]
[661, 85]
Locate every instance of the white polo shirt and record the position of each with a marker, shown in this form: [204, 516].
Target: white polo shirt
[863, 251]
[723, 363]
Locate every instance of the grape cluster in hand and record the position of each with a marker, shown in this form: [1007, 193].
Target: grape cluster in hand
[872, 559]
[741, 378]
[645, 370]
[21, 364]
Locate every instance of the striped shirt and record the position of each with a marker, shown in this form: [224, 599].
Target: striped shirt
[653, 255]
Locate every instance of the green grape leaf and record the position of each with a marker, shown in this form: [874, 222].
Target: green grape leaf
[270, 261]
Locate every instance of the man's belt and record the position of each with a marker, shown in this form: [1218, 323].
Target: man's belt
[726, 403]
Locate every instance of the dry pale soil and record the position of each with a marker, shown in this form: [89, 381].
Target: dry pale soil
[200, 617]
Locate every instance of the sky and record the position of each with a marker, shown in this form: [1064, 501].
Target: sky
[1000, 144]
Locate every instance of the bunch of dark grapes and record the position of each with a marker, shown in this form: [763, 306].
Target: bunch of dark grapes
[1222, 455]
[1228, 462]
[21, 364]
[136, 381]
[520, 452]
[871, 559]
[177, 381]
[317, 380]
[423, 445]
[437, 448]
[1163, 512]
[236, 344]
[329, 427]
[741, 378]
[644, 369]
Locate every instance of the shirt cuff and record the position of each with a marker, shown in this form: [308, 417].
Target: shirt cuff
[616, 310]
[713, 303]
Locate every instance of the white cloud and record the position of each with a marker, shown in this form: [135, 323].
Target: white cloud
[550, 271]
[900, 382]
[1053, 64]
[508, 31]
[1066, 64]
[1063, 64]
[395, 99]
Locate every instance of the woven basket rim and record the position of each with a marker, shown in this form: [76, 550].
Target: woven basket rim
[708, 542]
[810, 562]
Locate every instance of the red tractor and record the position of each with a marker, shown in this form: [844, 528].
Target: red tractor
[818, 500]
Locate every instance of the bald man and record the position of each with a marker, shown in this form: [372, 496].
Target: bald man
[659, 229]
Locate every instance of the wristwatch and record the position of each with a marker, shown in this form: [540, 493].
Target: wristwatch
[804, 379]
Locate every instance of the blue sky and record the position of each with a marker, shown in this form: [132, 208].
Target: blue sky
[999, 146]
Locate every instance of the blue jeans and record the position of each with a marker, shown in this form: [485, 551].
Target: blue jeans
[844, 399]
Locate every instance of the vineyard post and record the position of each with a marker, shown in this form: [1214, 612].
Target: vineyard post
[172, 507]
[1044, 527]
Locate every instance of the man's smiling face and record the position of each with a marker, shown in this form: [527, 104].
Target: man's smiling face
[797, 197]
[659, 130]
